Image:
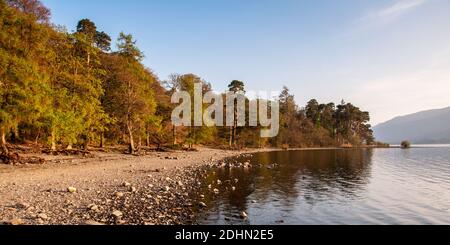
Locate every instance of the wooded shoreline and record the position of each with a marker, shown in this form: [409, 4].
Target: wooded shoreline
[66, 90]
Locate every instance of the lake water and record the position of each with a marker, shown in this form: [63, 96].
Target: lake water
[354, 186]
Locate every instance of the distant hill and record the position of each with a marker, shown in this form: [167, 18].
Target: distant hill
[426, 127]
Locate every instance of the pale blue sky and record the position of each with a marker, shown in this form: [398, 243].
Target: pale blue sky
[390, 57]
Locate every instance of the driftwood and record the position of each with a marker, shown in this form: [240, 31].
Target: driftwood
[16, 159]
[73, 152]
[25, 148]
[190, 149]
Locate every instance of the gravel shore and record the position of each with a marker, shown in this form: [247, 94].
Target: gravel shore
[107, 188]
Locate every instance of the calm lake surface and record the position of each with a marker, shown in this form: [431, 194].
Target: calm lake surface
[355, 186]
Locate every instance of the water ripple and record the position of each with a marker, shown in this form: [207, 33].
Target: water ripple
[381, 186]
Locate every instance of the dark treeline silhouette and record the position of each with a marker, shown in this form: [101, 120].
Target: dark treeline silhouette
[66, 90]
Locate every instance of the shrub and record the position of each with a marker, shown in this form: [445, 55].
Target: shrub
[405, 144]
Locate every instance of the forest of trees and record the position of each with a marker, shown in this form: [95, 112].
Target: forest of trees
[72, 90]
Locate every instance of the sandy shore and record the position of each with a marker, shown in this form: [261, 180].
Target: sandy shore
[109, 188]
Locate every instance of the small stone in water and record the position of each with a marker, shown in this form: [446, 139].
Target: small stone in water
[202, 205]
[243, 215]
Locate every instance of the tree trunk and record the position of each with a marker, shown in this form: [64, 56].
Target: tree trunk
[130, 136]
[15, 136]
[230, 143]
[234, 135]
[53, 141]
[191, 137]
[174, 134]
[36, 140]
[86, 143]
[4, 148]
[131, 145]
[139, 142]
[235, 125]
[102, 140]
[195, 137]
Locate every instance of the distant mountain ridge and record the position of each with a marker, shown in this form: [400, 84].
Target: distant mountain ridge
[425, 127]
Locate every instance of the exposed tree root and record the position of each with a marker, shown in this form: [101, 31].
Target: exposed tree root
[72, 152]
[16, 159]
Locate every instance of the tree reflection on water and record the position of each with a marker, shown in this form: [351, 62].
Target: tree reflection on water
[299, 177]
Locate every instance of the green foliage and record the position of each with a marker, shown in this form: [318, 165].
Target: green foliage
[129, 96]
[87, 27]
[321, 124]
[22, 83]
[127, 47]
[236, 86]
[50, 80]
[103, 41]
